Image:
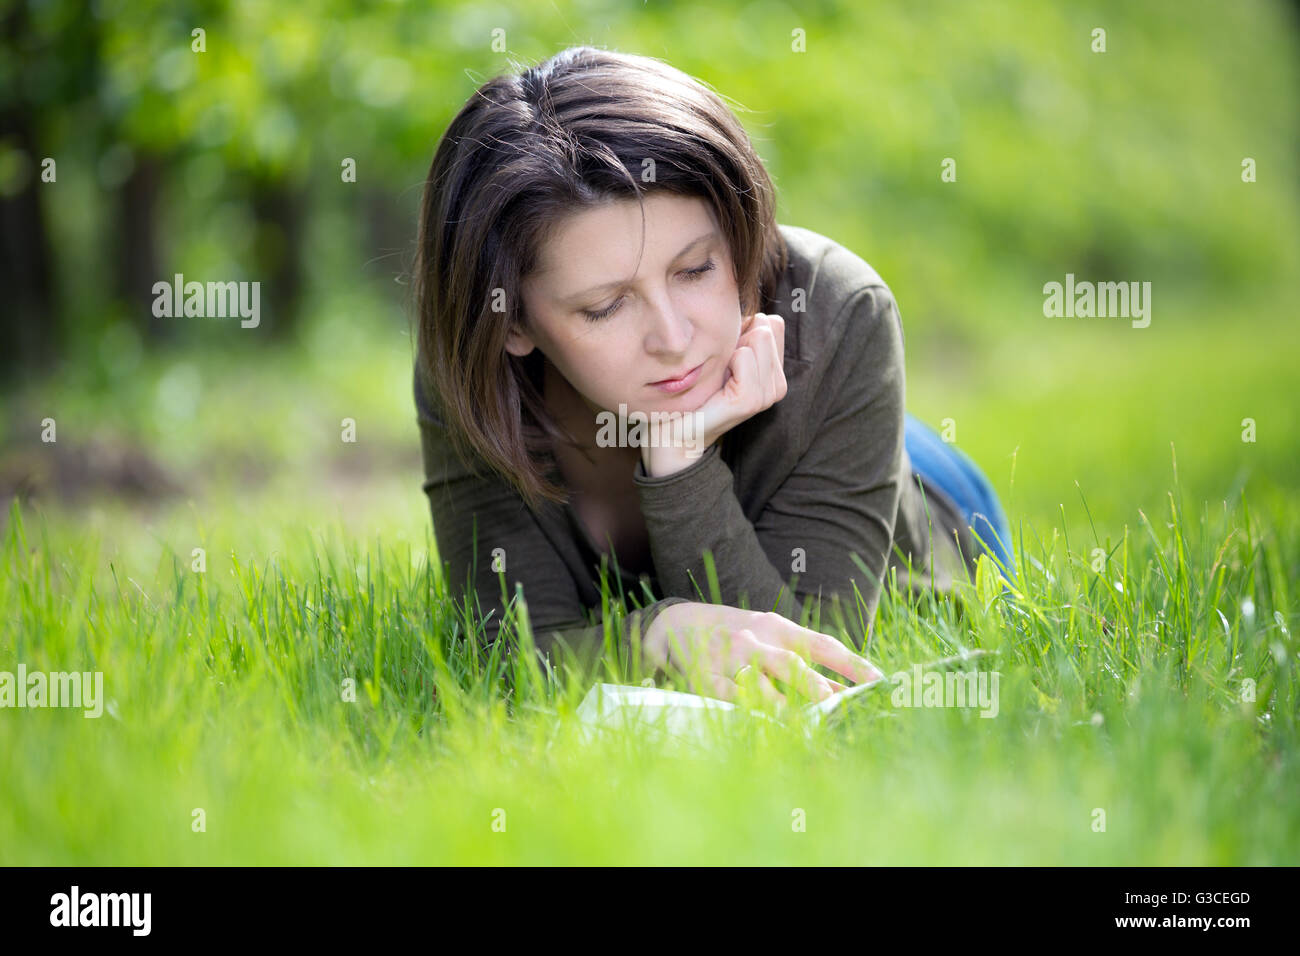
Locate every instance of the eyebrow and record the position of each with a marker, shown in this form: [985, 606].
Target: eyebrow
[619, 283]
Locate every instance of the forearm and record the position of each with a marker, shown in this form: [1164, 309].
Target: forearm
[694, 510]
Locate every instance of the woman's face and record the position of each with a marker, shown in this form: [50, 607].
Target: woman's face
[681, 309]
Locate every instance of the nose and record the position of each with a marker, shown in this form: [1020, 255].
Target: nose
[670, 331]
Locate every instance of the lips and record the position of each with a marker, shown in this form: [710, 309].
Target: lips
[676, 378]
[675, 386]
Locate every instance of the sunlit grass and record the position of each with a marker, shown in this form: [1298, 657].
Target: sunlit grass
[1121, 690]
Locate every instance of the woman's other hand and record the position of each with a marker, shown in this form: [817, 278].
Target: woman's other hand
[711, 643]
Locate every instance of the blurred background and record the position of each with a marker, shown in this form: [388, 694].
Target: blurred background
[230, 163]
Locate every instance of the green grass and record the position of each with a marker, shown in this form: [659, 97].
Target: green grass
[225, 691]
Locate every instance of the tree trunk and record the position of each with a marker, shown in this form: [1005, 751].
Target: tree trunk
[280, 213]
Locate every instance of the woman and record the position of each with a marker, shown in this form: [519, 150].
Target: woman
[598, 238]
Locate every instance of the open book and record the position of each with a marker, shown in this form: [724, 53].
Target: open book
[679, 718]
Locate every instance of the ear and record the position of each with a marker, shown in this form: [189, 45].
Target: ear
[519, 343]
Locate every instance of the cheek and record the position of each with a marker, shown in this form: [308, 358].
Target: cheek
[603, 369]
[725, 307]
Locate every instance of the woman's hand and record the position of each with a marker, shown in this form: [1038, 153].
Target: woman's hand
[711, 643]
[755, 381]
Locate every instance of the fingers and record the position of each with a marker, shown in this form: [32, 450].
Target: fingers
[783, 664]
[777, 325]
[753, 681]
[829, 652]
[800, 676]
[821, 649]
[765, 334]
[768, 689]
[745, 376]
[751, 366]
[754, 379]
[748, 682]
[748, 657]
[723, 688]
[713, 658]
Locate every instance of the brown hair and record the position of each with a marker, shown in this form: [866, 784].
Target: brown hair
[525, 152]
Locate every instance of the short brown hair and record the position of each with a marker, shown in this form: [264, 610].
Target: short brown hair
[526, 151]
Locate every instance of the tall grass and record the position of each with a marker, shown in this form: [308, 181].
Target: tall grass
[1151, 678]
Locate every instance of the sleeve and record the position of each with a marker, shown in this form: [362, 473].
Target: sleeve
[481, 522]
[832, 519]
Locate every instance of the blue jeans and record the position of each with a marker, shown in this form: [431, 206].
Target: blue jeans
[952, 471]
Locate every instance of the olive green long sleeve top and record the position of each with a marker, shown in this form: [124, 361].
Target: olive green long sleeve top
[784, 501]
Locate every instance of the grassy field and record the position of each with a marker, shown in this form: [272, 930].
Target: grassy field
[1124, 691]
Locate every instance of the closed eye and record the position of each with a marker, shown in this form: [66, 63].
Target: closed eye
[690, 275]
